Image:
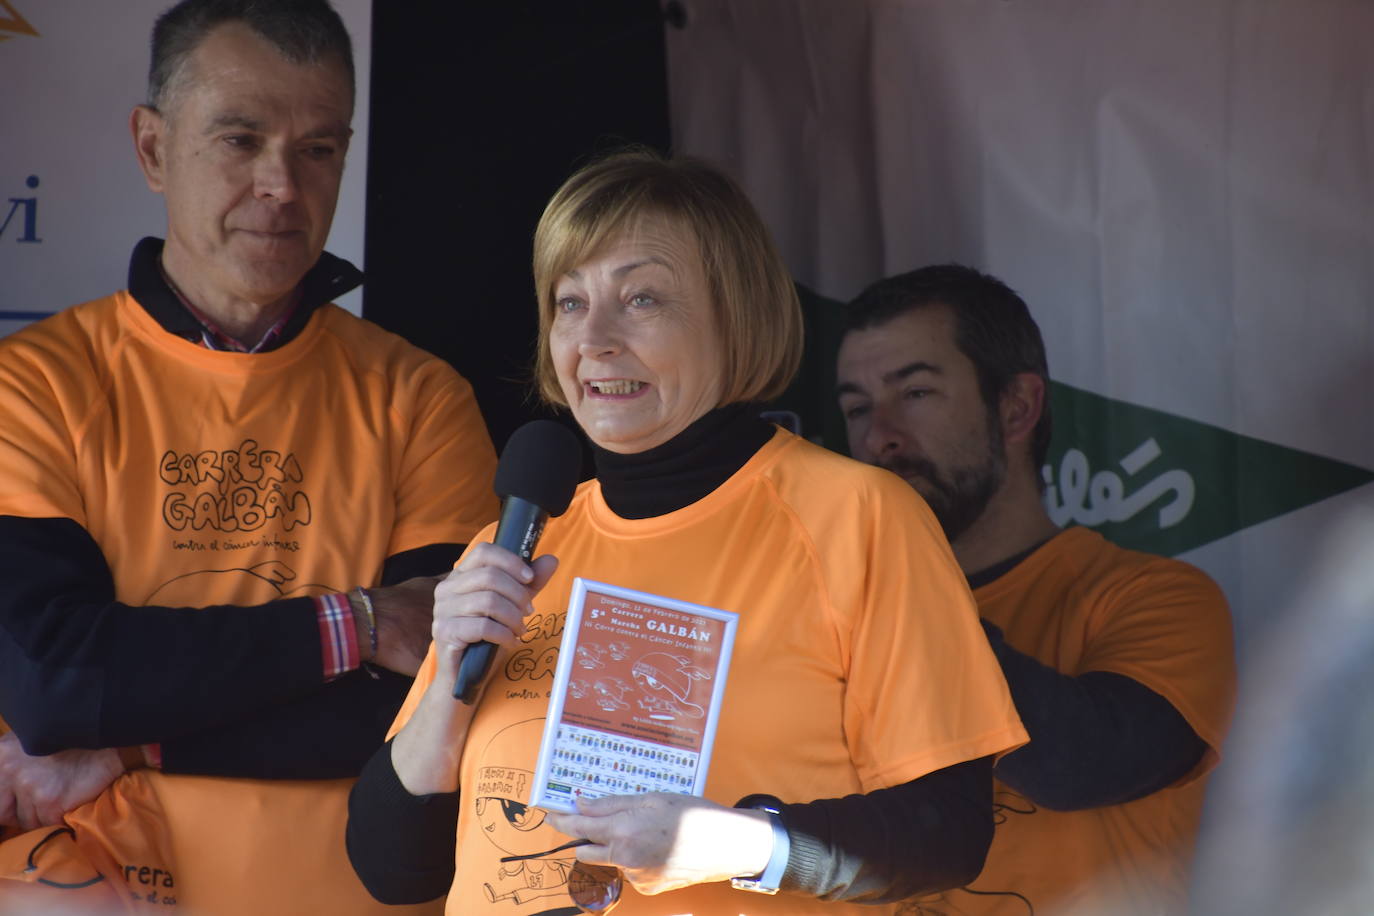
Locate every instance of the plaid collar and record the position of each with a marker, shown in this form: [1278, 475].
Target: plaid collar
[329, 279]
[213, 337]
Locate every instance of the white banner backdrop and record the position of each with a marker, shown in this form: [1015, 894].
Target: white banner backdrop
[72, 200]
[1183, 192]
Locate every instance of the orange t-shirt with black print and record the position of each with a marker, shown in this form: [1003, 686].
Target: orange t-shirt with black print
[213, 478]
[859, 663]
[1079, 603]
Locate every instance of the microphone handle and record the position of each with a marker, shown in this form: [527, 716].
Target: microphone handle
[521, 524]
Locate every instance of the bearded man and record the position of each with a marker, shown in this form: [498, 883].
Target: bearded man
[1120, 663]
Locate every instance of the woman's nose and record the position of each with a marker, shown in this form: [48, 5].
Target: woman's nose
[600, 332]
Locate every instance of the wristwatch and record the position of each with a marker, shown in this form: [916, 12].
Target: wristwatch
[768, 880]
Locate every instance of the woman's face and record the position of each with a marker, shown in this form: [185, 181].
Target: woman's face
[634, 339]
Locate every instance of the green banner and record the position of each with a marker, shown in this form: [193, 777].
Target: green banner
[1153, 481]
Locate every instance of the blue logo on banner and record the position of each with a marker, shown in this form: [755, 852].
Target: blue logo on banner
[27, 208]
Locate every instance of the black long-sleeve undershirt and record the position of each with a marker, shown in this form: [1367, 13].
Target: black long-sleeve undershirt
[1097, 739]
[327, 734]
[922, 836]
[401, 845]
[83, 670]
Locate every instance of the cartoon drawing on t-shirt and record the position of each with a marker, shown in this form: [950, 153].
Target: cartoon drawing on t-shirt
[255, 584]
[942, 905]
[515, 828]
[934, 905]
[1004, 803]
[673, 675]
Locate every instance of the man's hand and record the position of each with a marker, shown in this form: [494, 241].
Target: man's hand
[36, 791]
[405, 613]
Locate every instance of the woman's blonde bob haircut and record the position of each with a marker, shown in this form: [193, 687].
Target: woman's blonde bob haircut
[757, 313]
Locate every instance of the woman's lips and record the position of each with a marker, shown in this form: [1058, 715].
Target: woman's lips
[614, 387]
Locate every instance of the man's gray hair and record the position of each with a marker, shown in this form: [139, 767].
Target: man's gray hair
[304, 31]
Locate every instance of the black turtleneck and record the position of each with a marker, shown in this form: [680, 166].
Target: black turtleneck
[928, 834]
[684, 469]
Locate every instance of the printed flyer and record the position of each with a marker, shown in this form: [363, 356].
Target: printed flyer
[636, 696]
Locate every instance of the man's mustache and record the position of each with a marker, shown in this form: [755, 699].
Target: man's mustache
[905, 466]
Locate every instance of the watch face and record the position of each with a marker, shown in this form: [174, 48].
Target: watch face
[770, 803]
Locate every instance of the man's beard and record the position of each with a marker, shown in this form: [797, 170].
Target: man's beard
[959, 497]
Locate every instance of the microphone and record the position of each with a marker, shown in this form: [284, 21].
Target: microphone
[535, 479]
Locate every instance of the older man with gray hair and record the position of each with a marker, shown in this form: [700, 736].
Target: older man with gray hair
[223, 501]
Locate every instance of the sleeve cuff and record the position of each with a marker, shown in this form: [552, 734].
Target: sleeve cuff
[338, 635]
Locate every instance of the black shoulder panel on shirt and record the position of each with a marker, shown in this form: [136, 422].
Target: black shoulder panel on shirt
[430, 560]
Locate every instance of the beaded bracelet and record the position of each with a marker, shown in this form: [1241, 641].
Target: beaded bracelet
[366, 599]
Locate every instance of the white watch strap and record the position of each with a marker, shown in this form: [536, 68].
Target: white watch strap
[768, 881]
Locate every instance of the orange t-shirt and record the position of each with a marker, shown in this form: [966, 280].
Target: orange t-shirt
[1079, 604]
[227, 478]
[858, 664]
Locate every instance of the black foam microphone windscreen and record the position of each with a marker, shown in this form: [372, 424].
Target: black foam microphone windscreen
[535, 479]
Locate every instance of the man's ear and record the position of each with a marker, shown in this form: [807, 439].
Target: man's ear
[149, 129]
[1022, 405]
